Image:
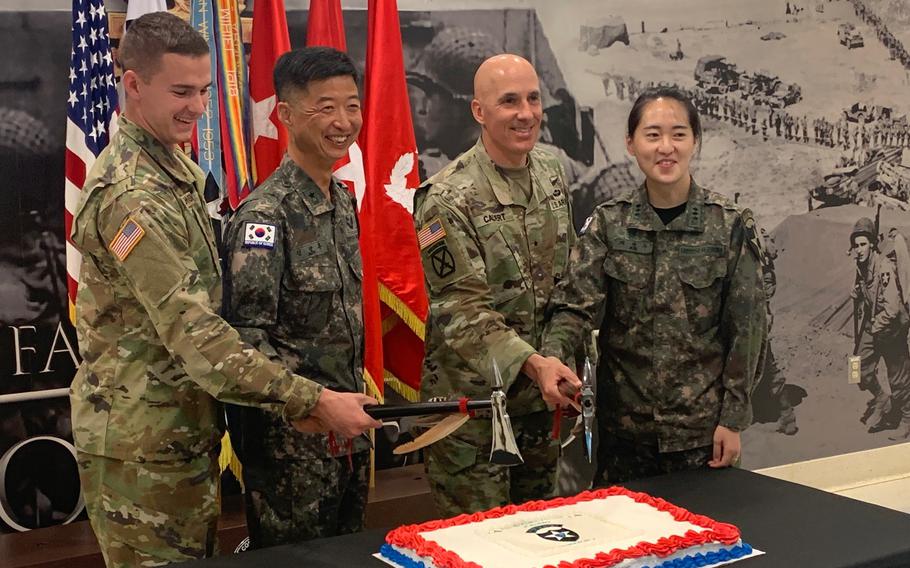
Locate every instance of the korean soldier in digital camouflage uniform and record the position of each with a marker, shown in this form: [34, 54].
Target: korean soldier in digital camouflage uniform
[293, 291]
[675, 270]
[495, 232]
[157, 357]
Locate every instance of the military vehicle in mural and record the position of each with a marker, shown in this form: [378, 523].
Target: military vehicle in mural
[879, 179]
[848, 35]
[715, 75]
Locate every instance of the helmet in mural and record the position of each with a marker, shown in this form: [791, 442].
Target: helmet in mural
[863, 227]
[23, 134]
[451, 59]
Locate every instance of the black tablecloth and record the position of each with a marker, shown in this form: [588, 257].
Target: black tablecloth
[796, 526]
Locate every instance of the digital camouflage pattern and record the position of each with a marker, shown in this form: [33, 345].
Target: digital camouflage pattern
[685, 320]
[298, 299]
[156, 355]
[308, 499]
[620, 460]
[490, 264]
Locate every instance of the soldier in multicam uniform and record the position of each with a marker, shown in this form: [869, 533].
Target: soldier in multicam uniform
[880, 332]
[294, 293]
[495, 232]
[157, 357]
[675, 270]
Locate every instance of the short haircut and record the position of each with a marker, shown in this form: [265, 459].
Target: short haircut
[296, 69]
[150, 36]
[638, 108]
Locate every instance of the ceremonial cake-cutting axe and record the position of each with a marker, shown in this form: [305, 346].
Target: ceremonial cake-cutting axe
[505, 450]
[586, 404]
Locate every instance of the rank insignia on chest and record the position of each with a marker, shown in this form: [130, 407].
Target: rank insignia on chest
[259, 235]
[430, 233]
[126, 239]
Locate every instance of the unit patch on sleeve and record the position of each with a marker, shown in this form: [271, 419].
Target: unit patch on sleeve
[260, 235]
[430, 233]
[126, 239]
[442, 261]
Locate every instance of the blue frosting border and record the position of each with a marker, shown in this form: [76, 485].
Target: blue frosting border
[699, 560]
[707, 559]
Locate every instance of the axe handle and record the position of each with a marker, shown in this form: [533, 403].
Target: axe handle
[422, 408]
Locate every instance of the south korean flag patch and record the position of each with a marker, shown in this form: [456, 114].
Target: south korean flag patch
[259, 235]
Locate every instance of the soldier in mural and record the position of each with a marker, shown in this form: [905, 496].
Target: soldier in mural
[771, 387]
[294, 292]
[880, 329]
[440, 85]
[494, 232]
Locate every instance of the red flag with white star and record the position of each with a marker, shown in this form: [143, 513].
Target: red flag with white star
[388, 238]
[269, 41]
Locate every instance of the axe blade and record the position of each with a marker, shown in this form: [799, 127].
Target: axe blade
[505, 449]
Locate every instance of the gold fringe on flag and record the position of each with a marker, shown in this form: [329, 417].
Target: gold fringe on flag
[389, 298]
[401, 387]
[227, 459]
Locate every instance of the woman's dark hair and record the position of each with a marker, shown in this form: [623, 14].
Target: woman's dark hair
[655, 93]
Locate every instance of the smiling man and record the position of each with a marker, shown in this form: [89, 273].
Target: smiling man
[495, 232]
[157, 358]
[293, 290]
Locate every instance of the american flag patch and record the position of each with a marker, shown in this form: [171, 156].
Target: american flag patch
[126, 239]
[430, 233]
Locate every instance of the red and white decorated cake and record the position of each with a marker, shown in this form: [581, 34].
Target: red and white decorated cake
[614, 528]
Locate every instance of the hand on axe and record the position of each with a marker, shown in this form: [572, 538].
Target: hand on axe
[339, 412]
[557, 383]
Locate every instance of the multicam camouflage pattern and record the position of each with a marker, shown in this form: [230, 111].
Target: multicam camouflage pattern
[685, 319]
[152, 513]
[299, 300]
[308, 499]
[463, 481]
[620, 461]
[490, 277]
[156, 353]
[490, 268]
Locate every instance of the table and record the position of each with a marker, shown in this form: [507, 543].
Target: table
[797, 526]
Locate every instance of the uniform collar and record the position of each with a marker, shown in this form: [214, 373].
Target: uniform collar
[167, 158]
[642, 216]
[295, 178]
[501, 188]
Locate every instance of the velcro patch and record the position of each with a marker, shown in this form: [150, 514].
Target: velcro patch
[260, 235]
[126, 239]
[442, 261]
[430, 233]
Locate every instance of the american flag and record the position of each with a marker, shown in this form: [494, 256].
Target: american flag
[430, 233]
[91, 113]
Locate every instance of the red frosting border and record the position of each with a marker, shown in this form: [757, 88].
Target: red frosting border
[409, 537]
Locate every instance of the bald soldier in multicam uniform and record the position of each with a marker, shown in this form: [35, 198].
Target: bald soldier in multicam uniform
[495, 232]
[156, 355]
[295, 294]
